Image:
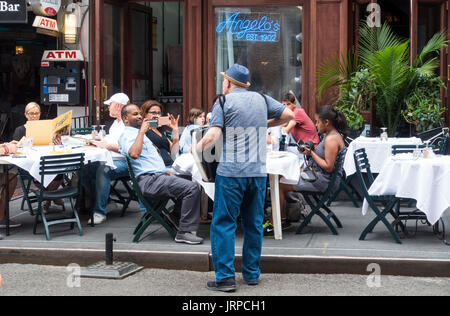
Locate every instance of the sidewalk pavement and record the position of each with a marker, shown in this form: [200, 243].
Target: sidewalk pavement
[314, 251]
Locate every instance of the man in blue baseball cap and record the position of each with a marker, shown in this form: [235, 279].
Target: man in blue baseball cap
[240, 185]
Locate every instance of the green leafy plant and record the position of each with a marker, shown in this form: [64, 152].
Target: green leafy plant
[423, 107]
[391, 80]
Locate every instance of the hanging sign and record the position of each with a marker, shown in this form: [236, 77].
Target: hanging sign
[45, 23]
[62, 55]
[13, 11]
[46, 7]
[253, 27]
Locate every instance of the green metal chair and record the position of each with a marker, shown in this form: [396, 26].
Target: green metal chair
[321, 199]
[389, 202]
[29, 197]
[66, 165]
[406, 149]
[118, 197]
[443, 145]
[81, 131]
[156, 211]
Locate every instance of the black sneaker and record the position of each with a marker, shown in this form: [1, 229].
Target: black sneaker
[269, 230]
[227, 285]
[252, 283]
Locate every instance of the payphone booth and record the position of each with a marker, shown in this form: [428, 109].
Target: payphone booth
[62, 76]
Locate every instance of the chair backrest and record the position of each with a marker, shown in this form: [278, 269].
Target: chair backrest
[362, 163]
[405, 149]
[207, 168]
[337, 175]
[61, 164]
[136, 187]
[81, 131]
[443, 145]
[81, 122]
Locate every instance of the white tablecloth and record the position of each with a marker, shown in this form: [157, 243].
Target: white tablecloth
[425, 180]
[285, 164]
[378, 152]
[31, 162]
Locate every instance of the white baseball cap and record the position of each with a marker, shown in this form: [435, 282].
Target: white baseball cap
[121, 98]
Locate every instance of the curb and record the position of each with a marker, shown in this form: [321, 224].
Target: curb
[201, 262]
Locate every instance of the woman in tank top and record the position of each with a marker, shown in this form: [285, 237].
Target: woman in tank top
[333, 124]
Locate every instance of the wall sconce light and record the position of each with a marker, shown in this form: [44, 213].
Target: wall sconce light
[19, 50]
[70, 28]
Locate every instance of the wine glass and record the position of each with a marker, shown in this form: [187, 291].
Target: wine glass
[102, 131]
[384, 135]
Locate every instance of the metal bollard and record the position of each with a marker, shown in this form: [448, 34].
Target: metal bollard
[109, 249]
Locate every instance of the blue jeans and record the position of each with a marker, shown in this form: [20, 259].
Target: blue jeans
[234, 196]
[103, 177]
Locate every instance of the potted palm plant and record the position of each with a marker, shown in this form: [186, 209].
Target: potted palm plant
[392, 79]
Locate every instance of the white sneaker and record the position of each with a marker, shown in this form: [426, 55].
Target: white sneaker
[98, 219]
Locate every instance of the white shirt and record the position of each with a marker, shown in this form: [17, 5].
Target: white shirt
[115, 132]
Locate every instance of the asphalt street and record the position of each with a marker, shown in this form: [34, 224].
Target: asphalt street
[32, 280]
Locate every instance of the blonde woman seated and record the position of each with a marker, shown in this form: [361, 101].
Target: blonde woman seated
[33, 113]
[7, 149]
[333, 124]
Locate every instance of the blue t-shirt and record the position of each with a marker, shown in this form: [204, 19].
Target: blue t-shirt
[186, 139]
[244, 125]
[149, 161]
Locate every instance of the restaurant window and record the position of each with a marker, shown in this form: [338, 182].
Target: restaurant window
[429, 23]
[267, 40]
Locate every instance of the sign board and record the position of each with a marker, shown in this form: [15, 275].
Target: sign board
[46, 7]
[13, 11]
[44, 131]
[251, 27]
[62, 55]
[45, 23]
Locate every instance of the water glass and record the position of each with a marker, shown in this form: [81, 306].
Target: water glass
[384, 135]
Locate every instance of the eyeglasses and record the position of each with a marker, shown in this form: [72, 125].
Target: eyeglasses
[34, 113]
[155, 113]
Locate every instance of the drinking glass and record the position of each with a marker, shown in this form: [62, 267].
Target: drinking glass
[102, 131]
[94, 132]
[384, 135]
[417, 153]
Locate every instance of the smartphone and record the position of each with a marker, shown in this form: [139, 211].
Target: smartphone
[163, 120]
[153, 123]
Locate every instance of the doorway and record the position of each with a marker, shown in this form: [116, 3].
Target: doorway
[140, 52]
[21, 50]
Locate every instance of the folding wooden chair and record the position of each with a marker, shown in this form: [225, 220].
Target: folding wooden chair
[55, 165]
[156, 211]
[321, 198]
[362, 163]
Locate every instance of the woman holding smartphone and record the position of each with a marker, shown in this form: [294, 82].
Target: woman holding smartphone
[152, 110]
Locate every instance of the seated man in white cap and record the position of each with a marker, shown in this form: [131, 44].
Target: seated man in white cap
[103, 174]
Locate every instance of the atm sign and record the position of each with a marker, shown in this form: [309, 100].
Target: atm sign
[46, 23]
[63, 55]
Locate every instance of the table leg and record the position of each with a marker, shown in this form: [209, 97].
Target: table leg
[276, 210]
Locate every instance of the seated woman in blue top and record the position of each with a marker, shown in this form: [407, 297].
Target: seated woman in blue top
[196, 120]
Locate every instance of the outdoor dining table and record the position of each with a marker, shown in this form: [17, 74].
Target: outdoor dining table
[31, 163]
[278, 164]
[426, 180]
[378, 151]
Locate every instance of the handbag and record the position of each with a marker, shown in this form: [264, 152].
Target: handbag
[307, 172]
